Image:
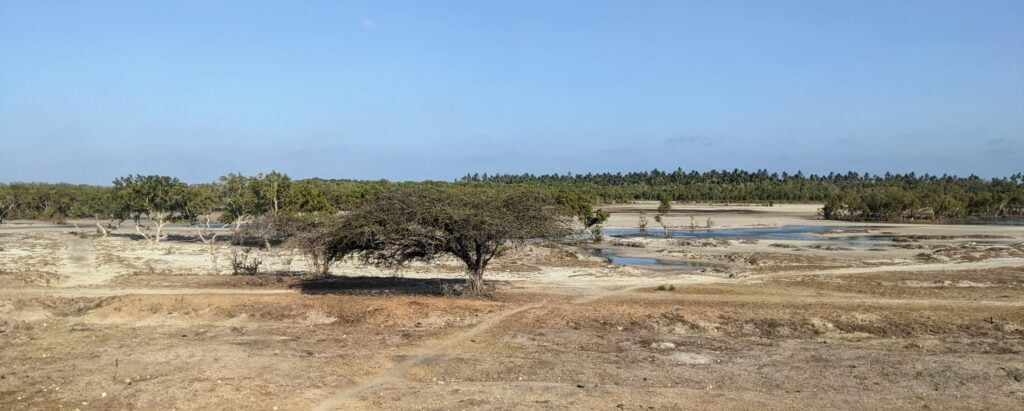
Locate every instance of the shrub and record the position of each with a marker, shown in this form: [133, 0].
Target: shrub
[243, 264]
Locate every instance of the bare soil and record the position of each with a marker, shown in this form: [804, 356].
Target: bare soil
[118, 323]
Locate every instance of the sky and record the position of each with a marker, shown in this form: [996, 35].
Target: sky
[416, 90]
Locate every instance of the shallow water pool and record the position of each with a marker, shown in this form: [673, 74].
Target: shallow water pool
[789, 232]
[644, 261]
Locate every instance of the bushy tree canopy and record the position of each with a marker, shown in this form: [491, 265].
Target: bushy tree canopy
[422, 223]
[161, 199]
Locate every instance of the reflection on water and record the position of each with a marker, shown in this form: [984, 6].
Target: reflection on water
[641, 261]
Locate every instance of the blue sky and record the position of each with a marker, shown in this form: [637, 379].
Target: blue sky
[433, 90]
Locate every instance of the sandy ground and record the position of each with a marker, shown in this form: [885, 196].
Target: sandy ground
[930, 317]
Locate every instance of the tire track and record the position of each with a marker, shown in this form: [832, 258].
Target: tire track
[79, 265]
[398, 370]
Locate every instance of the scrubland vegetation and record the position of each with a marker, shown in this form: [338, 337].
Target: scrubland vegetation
[386, 224]
[261, 292]
[400, 224]
[850, 196]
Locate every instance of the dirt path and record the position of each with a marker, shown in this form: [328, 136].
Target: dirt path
[398, 370]
[973, 265]
[78, 265]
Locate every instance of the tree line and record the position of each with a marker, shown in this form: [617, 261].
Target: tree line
[162, 199]
[384, 224]
[239, 199]
[849, 196]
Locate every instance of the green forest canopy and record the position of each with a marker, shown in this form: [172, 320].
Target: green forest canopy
[850, 196]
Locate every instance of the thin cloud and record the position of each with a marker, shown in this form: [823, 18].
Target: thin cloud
[690, 140]
[1001, 142]
[367, 23]
[617, 150]
[1003, 148]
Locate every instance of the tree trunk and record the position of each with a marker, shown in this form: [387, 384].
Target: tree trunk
[99, 228]
[475, 280]
[3, 212]
[213, 237]
[138, 229]
[159, 229]
[211, 240]
[324, 264]
[239, 236]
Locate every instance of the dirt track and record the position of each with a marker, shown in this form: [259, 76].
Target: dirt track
[116, 323]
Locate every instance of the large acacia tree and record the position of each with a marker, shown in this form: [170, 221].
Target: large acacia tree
[423, 223]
